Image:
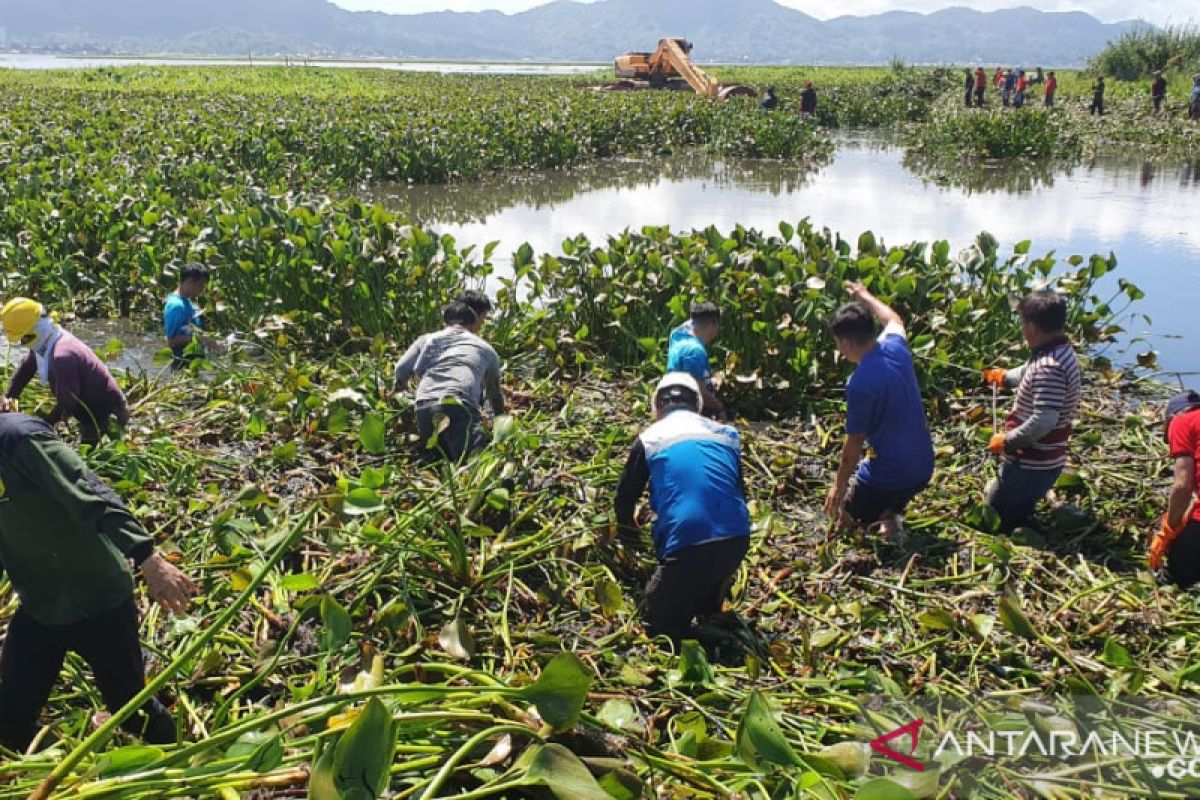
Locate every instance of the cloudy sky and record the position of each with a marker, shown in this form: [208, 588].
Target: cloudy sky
[1157, 11]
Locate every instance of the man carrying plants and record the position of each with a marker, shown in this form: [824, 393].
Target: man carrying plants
[883, 409]
[1178, 540]
[82, 386]
[687, 351]
[702, 526]
[181, 320]
[456, 368]
[1034, 442]
[66, 542]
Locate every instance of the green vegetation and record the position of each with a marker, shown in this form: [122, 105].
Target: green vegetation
[367, 624]
[1028, 133]
[1138, 53]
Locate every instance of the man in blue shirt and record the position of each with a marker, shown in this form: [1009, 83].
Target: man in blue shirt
[181, 321]
[702, 526]
[687, 351]
[884, 410]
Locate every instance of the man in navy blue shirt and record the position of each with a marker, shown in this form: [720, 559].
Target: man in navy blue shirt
[702, 526]
[884, 410]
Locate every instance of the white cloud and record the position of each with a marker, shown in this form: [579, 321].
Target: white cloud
[1157, 11]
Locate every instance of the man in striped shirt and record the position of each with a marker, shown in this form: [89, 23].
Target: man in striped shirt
[1034, 442]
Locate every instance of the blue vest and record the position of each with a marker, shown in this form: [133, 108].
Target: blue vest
[695, 481]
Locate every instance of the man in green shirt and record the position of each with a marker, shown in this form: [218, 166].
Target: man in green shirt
[66, 544]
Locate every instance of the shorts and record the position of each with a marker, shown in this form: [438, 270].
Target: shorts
[868, 504]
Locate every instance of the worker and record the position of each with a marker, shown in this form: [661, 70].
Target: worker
[769, 101]
[82, 386]
[457, 369]
[1178, 539]
[1158, 90]
[998, 78]
[66, 542]
[181, 320]
[687, 351]
[1051, 88]
[1097, 106]
[1194, 101]
[968, 87]
[702, 525]
[1039, 77]
[808, 99]
[883, 409]
[1019, 89]
[1009, 86]
[980, 86]
[1033, 444]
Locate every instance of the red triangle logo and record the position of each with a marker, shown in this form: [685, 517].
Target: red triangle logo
[912, 729]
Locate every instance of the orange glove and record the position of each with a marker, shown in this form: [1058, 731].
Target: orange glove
[994, 377]
[1162, 542]
[996, 443]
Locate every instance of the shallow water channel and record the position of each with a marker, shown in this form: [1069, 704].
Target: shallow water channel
[1148, 214]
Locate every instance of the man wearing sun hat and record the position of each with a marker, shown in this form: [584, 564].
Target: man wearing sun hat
[1178, 538]
[702, 526]
[81, 384]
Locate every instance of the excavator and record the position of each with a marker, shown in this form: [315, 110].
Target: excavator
[671, 67]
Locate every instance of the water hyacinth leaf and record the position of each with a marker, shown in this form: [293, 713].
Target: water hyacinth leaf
[621, 714]
[759, 737]
[920, 785]
[362, 501]
[338, 420]
[560, 691]
[608, 596]
[363, 755]
[1014, 619]
[336, 624]
[456, 639]
[321, 785]
[130, 758]
[982, 625]
[883, 789]
[372, 434]
[622, 785]
[267, 756]
[1115, 655]
[937, 619]
[693, 664]
[561, 771]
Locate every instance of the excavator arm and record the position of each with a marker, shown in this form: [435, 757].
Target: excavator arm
[672, 54]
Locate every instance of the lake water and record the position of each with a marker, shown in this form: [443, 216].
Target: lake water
[1149, 215]
[37, 61]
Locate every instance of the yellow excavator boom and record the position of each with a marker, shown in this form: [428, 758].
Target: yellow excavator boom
[675, 53]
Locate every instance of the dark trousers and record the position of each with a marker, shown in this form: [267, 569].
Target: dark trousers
[1050, 100]
[33, 657]
[1097, 106]
[462, 434]
[1183, 559]
[1016, 492]
[979, 97]
[690, 583]
[968, 93]
[1158, 100]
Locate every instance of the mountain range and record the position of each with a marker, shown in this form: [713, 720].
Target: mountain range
[723, 31]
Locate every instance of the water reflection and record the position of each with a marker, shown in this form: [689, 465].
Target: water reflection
[455, 204]
[1147, 216]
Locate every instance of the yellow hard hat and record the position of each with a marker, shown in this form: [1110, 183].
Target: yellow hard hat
[19, 316]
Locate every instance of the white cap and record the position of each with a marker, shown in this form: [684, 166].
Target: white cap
[673, 385]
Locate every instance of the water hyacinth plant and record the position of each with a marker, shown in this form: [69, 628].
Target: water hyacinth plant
[370, 627]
